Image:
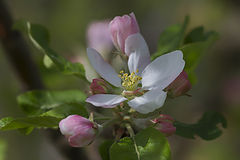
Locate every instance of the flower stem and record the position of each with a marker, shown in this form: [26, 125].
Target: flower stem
[132, 135]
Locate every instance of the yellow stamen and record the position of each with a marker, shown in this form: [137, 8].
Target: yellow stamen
[130, 82]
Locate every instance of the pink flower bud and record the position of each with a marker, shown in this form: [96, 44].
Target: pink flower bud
[164, 123]
[98, 36]
[78, 130]
[180, 86]
[99, 86]
[167, 128]
[121, 28]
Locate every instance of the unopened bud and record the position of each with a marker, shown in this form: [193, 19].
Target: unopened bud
[164, 123]
[121, 28]
[78, 130]
[180, 86]
[99, 86]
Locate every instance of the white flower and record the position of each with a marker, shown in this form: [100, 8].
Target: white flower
[154, 76]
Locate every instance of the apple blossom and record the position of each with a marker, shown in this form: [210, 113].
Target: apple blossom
[146, 80]
[121, 28]
[78, 130]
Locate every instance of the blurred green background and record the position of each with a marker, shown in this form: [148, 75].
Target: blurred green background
[218, 74]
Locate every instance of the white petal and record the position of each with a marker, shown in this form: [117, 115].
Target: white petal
[105, 100]
[163, 70]
[104, 69]
[150, 101]
[137, 50]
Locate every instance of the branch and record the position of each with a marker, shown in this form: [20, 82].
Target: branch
[18, 52]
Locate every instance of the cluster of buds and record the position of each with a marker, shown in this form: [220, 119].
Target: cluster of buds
[78, 130]
[164, 123]
[81, 131]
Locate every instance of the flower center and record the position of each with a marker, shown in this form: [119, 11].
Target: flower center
[130, 82]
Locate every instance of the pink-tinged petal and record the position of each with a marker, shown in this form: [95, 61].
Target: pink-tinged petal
[104, 69]
[150, 101]
[138, 52]
[134, 23]
[163, 70]
[105, 100]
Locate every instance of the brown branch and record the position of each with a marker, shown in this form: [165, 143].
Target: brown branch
[18, 52]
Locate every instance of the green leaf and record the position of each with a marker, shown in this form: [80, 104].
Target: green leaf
[10, 123]
[206, 128]
[151, 145]
[53, 103]
[171, 38]
[197, 35]
[124, 149]
[39, 36]
[67, 109]
[104, 149]
[193, 52]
